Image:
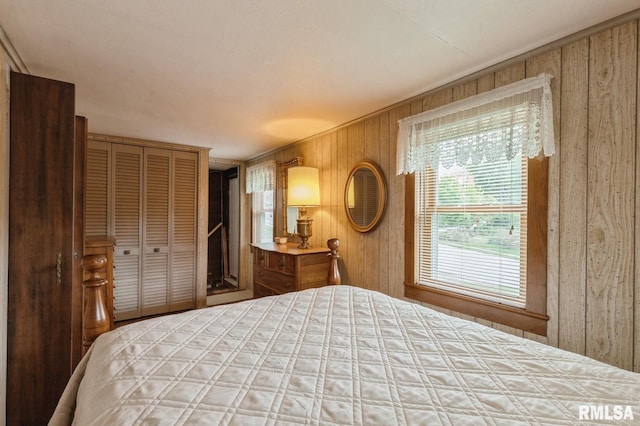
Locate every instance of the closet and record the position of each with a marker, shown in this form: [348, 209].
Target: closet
[146, 197]
[47, 154]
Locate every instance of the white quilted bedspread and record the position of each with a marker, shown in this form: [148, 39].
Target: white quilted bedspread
[337, 355]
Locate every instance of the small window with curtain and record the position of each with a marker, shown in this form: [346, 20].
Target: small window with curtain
[260, 183]
[477, 227]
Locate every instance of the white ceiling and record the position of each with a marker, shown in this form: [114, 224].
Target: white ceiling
[244, 77]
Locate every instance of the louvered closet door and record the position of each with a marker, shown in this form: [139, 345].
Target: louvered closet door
[183, 242]
[156, 267]
[127, 229]
[97, 193]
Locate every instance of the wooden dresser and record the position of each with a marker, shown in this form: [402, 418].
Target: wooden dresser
[281, 268]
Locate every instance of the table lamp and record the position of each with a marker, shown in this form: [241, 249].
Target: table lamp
[303, 190]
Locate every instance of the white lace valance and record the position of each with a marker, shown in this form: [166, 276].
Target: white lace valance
[261, 177]
[512, 119]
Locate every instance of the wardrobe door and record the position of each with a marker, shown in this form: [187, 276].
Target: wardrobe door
[127, 228]
[156, 266]
[97, 189]
[183, 237]
[42, 245]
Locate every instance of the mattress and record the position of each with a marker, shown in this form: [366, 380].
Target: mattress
[336, 355]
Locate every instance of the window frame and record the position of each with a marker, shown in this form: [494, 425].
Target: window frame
[257, 214]
[533, 317]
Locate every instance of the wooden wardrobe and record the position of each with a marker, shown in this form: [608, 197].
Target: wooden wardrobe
[146, 195]
[47, 160]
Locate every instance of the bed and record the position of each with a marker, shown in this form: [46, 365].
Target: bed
[336, 355]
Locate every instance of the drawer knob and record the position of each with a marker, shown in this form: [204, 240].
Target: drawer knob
[287, 284]
[281, 263]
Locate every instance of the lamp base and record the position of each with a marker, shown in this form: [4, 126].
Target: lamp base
[304, 231]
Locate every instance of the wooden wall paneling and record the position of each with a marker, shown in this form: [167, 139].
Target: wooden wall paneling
[372, 153]
[308, 151]
[321, 212]
[334, 186]
[316, 150]
[550, 62]
[504, 76]
[572, 280]
[611, 155]
[355, 240]
[464, 90]
[485, 83]
[382, 233]
[342, 171]
[395, 207]
[325, 212]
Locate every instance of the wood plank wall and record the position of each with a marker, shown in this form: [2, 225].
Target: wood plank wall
[594, 206]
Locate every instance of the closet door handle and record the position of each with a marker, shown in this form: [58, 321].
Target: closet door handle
[156, 250]
[59, 268]
[127, 252]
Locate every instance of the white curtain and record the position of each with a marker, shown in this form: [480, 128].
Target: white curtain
[261, 177]
[512, 119]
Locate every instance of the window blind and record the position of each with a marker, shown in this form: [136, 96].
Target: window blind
[471, 225]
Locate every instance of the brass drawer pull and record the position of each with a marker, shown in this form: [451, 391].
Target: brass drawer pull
[281, 262]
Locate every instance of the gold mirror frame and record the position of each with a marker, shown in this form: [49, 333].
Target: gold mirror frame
[381, 188]
[281, 195]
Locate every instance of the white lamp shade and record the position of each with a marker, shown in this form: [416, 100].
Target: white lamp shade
[303, 187]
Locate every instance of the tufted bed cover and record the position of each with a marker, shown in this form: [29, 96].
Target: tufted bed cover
[337, 355]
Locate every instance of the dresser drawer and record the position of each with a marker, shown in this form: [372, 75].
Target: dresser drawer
[260, 291]
[281, 262]
[279, 282]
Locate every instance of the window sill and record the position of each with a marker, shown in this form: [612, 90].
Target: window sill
[519, 318]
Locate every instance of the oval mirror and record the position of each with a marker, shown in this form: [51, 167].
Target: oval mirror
[365, 196]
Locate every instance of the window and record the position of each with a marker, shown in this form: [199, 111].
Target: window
[262, 217]
[260, 183]
[469, 222]
[477, 204]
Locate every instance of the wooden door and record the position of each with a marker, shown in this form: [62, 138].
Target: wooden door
[183, 238]
[41, 246]
[97, 201]
[156, 266]
[126, 228]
